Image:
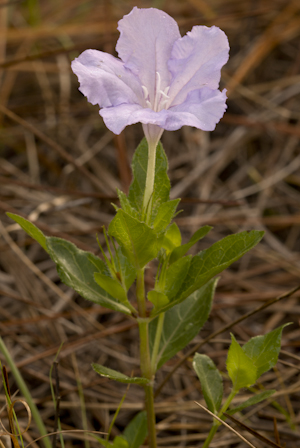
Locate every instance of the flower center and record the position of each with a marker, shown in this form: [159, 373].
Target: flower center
[161, 97]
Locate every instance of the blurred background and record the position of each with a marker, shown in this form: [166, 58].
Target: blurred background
[60, 167]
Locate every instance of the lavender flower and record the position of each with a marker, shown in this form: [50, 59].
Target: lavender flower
[162, 80]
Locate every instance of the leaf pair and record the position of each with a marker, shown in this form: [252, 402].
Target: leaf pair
[76, 269]
[209, 262]
[244, 364]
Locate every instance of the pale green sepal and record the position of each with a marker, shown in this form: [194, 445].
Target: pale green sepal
[241, 370]
[112, 286]
[30, 229]
[264, 350]
[137, 240]
[165, 214]
[180, 251]
[137, 430]
[182, 323]
[211, 381]
[172, 238]
[118, 376]
[76, 269]
[216, 258]
[158, 299]
[253, 400]
[161, 180]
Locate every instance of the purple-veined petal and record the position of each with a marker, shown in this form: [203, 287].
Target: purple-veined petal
[145, 44]
[105, 81]
[196, 61]
[202, 109]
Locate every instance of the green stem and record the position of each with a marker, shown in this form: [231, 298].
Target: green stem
[216, 424]
[147, 373]
[26, 394]
[145, 357]
[157, 341]
[147, 204]
[211, 434]
[140, 293]
[227, 403]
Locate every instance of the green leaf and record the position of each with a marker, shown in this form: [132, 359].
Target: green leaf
[31, 229]
[251, 401]
[103, 442]
[211, 381]
[117, 376]
[158, 299]
[172, 238]
[240, 367]
[137, 430]
[119, 442]
[126, 205]
[165, 214]
[125, 268]
[216, 258]
[161, 180]
[175, 276]
[138, 241]
[182, 323]
[112, 286]
[264, 350]
[180, 251]
[76, 269]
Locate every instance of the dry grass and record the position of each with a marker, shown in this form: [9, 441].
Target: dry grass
[59, 166]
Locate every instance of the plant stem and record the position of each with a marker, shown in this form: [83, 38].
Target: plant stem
[26, 394]
[216, 424]
[145, 357]
[157, 341]
[211, 434]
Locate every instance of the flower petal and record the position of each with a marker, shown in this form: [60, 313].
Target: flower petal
[105, 81]
[145, 43]
[202, 109]
[196, 61]
[117, 118]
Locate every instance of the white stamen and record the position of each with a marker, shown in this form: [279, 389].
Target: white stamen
[158, 82]
[164, 94]
[161, 97]
[163, 103]
[145, 91]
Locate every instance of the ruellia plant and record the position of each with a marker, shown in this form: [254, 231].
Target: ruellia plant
[164, 81]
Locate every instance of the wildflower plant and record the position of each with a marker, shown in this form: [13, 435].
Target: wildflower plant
[164, 81]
